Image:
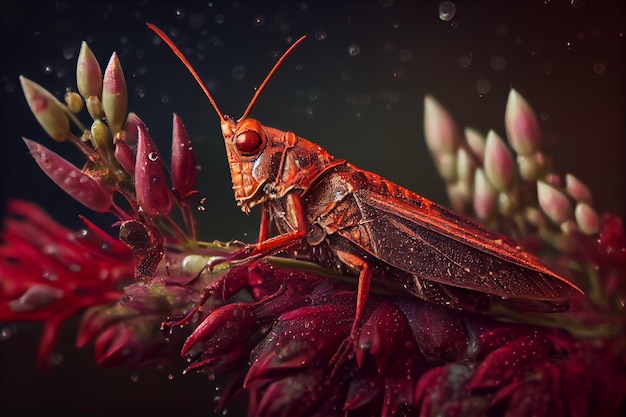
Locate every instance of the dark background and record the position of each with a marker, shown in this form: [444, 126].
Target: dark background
[566, 58]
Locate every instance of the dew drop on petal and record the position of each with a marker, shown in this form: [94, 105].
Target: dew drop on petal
[353, 49]
[320, 35]
[447, 10]
[239, 72]
[153, 156]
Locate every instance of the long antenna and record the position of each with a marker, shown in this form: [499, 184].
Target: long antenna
[184, 60]
[267, 78]
[193, 72]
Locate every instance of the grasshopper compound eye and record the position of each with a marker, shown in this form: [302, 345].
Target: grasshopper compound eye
[248, 142]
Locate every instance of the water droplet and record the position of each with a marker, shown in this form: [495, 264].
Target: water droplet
[170, 376]
[577, 3]
[397, 73]
[543, 116]
[68, 52]
[454, 24]
[259, 20]
[497, 63]
[320, 35]
[309, 111]
[51, 276]
[396, 25]
[465, 61]
[353, 49]
[47, 69]
[599, 68]
[7, 331]
[304, 6]
[219, 19]
[483, 86]
[56, 359]
[165, 99]
[196, 21]
[180, 13]
[502, 30]
[153, 156]
[134, 377]
[140, 91]
[405, 55]
[447, 10]
[239, 71]
[75, 268]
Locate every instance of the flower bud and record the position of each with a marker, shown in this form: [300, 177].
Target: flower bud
[553, 202]
[114, 95]
[94, 107]
[184, 168]
[532, 167]
[485, 196]
[577, 190]
[49, 112]
[476, 142]
[150, 184]
[587, 219]
[522, 128]
[442, 135]
[74, 102]
[89, 191]
[499, 165]
[88, 73]
[101, 136]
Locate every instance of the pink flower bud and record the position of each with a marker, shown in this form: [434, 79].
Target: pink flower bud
[89, 191]
[522, 128]
[114, 95]
[88, 73]
[47, 109]
[184, 168]
[442, 135]
[499, 165]
[150, 183]
[553, 202]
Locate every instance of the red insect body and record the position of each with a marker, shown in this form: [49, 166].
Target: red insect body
[355, 221]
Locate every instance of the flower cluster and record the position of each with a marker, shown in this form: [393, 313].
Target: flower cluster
[273, 327]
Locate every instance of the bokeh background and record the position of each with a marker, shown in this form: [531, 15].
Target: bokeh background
[356, 87]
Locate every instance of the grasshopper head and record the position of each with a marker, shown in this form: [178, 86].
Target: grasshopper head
[266, 163]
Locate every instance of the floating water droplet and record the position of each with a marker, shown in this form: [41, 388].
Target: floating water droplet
[396, 25]
[483, 86]
[51, 276]
[447, 10]
[170, 376]
[7, 331]
[153, 156]
[465, 61]
[239, 72]
[405, 55]
[309, 111]
[320, 35]
[68, 52]
[599, 68]
[304, 6]
[497, 63]
[259, 20]
[47, 69]
[353, 49]
[454, 24]
[134, 377]
[180, 13]
[219, 19]
[577, 3]
[543, 116]
[165, 98]
[502, 30]
[196, 21]
[56, 359]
